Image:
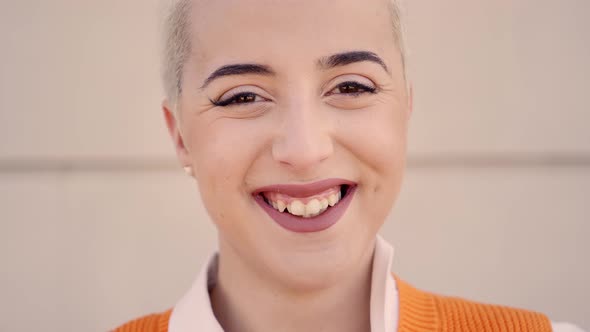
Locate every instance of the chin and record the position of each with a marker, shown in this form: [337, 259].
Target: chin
[305, 262]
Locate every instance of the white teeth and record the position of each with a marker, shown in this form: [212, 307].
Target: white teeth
[281, 206]
[333, 199]
[312, 208]
[296, 208]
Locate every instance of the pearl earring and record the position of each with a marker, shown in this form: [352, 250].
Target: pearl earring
[188, 170]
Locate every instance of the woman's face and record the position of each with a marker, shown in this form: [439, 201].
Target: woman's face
[316, 92]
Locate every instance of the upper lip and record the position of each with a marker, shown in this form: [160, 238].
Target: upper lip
[304, 190]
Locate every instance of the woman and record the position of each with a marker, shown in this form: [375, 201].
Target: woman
[292, 117]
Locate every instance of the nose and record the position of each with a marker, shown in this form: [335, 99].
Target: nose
[304, 138]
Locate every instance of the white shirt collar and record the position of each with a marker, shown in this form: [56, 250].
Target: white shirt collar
[194, 313]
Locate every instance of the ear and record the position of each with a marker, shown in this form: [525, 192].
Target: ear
[175, 134]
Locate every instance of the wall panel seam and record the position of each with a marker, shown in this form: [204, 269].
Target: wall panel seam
[470, 161]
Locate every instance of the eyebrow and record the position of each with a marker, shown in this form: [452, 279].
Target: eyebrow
[346, 58]
[238, 69]
[325, 63]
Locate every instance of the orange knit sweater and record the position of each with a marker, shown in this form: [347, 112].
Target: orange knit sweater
[419, 312]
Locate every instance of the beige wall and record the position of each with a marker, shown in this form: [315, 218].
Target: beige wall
[97, 224]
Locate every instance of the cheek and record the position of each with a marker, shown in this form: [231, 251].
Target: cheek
[378, 139]
[221, 158]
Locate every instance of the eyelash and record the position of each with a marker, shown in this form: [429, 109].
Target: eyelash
[352, 84]
[235, 99]
[241, 98]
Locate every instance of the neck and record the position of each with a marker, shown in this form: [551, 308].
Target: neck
[252, 303]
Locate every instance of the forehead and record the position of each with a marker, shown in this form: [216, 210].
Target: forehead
[288, 31]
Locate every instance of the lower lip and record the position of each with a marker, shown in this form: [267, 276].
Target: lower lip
[308, 225]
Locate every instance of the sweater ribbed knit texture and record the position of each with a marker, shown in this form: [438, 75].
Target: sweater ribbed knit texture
[150, 323]
[422, 312]
[419, 312]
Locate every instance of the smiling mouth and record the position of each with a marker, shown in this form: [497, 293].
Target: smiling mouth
[305, 208]
[308, 206]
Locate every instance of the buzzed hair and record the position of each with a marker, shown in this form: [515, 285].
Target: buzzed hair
[176, 43]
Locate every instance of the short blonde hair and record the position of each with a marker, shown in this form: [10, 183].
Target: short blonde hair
[177, 46]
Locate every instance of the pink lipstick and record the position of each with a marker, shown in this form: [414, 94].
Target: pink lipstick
[305, 208]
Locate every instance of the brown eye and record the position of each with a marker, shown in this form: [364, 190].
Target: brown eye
[352, 88]
[240, 98]
[245, 98]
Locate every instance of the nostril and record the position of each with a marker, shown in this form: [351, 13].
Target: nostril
[299, 157]
[301, 146]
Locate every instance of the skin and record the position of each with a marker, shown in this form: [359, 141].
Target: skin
[301, 127]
